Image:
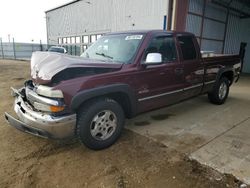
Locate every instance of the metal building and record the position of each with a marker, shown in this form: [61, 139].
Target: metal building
[82, 22]
[219, 25]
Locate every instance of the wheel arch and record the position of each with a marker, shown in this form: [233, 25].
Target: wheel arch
[226, 72]
[121, 93]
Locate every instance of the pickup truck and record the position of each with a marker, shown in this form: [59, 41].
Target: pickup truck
[119, 76]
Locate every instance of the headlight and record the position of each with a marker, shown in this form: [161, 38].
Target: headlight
[48, 108]
[48, 92]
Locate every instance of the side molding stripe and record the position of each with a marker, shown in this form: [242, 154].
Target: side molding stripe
[175, 91]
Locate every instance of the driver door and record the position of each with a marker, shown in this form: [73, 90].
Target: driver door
[160, 84]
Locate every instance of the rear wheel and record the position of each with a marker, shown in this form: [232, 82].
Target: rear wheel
[220, 91]
[100, 123]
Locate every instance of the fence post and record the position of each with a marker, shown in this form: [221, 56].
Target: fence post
[2, 48]
[32, 48]
[14, 49]
[41, 46]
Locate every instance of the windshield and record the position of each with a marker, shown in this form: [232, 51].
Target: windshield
[115, 48]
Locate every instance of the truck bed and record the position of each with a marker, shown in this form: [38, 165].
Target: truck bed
[222, 59]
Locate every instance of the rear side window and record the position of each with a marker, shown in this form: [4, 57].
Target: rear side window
[187, 47]
[164, 45]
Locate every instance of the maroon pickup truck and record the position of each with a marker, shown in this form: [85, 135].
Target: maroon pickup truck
[117, 77]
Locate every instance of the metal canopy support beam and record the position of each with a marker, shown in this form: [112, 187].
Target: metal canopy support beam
[243, 14]
[202, 20]
[180, 14]
[206, 17]
[225, 30]
[170, 14]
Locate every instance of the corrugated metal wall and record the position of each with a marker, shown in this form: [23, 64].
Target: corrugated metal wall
[196, 6]
[138, 14]
[193, 24]
[214, 25]
[101, 16]
[194, 21]
[245, 37]
[232, 42]
[209, 26]
[79, 18]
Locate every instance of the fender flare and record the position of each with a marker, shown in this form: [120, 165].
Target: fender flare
[224, 70]
[85, 95]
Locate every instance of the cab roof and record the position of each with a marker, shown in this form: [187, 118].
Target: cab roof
[151, 32]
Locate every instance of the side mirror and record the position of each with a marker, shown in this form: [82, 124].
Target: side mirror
[153, 59]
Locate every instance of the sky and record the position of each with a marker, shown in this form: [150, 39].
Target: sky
[24, 20]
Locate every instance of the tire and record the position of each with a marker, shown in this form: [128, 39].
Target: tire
[220, 91]
[100, 123]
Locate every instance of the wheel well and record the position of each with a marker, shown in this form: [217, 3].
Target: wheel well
[229, 75]
[123, 100]
[119, 97]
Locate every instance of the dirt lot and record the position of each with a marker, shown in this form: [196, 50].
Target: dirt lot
[134, 161]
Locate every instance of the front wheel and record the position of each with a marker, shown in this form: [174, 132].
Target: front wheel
[100, 123]
[220, 91]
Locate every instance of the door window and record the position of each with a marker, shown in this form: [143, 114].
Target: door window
[187, 47]
[164, 45]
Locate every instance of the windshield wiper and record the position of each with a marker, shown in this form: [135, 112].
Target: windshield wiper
[104, 55]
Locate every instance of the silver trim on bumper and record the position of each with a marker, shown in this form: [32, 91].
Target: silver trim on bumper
[24, 128]
[56, 127]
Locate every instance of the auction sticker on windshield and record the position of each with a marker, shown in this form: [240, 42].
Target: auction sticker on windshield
[134, 37]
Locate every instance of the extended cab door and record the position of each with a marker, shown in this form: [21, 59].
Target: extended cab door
[193, 69]
[161, 84]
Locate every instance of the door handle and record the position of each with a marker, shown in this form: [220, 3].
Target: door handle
[179, 71]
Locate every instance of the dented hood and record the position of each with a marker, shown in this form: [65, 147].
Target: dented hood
[45, 65]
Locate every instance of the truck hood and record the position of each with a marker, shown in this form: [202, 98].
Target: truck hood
[45, 65]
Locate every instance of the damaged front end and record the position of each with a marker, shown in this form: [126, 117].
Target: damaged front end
[41, 112]
[52, 68]
[40, 107]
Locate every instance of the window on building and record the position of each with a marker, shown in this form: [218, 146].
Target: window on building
[86, 39]
[73, 40]
[78, 40]
[92, 38]
[59, 40]
[164, 45]
[187, 47]
[64, 40]
[68, 40]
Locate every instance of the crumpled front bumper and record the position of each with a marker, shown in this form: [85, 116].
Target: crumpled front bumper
[41, 124]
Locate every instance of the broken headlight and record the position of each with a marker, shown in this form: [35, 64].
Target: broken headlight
[49, 92]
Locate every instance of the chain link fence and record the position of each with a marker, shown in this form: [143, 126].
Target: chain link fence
[23, 51]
